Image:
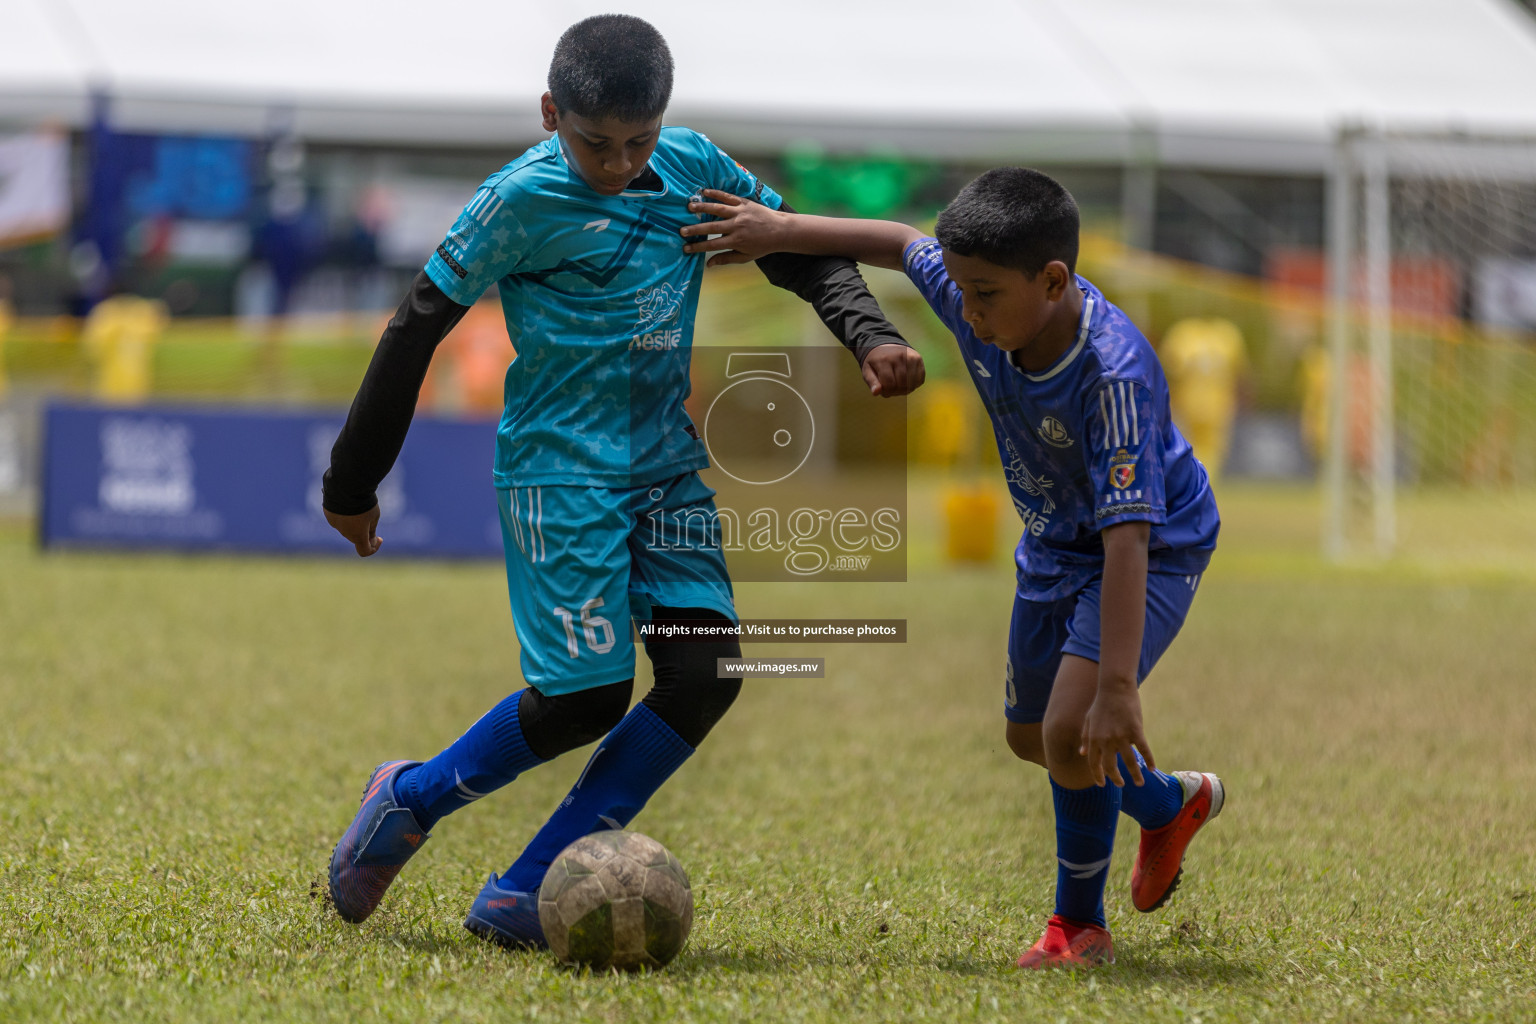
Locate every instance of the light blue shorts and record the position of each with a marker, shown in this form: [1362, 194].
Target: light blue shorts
[582, 561]
[1042, 631]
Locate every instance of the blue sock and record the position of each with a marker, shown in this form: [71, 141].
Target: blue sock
[488, 756]
[1085, 838]
[1154, 803]
[633, 761]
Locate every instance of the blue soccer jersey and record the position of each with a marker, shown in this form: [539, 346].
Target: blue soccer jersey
[1087, 443]
[599, 300]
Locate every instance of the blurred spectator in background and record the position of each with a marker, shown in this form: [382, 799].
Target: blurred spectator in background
[289, 242]
[353, 248]
[468, 377]
[947, 434]
[120, 336]
[1316, 371]
[1205, 361]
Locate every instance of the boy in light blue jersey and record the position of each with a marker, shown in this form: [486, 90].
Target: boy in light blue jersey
[1119, 520]
[579, 236]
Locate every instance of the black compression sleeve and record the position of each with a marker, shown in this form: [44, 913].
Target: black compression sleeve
[687, 694]
[836, 289]
[381, 413]
[553, 725]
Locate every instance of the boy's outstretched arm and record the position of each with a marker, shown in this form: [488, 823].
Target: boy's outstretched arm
[830, 282]
[1113, 725]
[376, 426]
[753, 230]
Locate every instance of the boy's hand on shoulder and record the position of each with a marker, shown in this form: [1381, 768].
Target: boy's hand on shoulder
[746, 229]
[892, 370]
[361, 530]
[1113, 726]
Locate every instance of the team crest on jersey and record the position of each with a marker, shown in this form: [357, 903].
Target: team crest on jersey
[1122, 469]
[1053, 432]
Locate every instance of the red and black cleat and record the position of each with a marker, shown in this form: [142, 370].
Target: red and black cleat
[1160, 858]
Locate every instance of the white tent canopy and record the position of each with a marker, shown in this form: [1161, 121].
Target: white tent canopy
[1245, 84]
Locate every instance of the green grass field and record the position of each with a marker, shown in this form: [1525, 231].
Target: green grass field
[184, 739]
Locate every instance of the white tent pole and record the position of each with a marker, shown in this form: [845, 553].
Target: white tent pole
[1340, 262]
[1378, 285]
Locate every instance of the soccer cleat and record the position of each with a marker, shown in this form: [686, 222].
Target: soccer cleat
[506, 917]
[1069, 944]
[1160, 859]
[375, 846]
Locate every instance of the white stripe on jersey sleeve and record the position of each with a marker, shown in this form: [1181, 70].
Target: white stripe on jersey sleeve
[489, 210]
[1130, 402]
[1108, 420]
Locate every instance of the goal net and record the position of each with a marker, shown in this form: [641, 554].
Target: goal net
[1432, 261]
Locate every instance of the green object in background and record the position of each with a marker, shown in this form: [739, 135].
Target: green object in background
[810, 178]
[876, 184]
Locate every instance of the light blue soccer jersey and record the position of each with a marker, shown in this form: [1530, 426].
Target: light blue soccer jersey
[1087, 443]
[599, 300]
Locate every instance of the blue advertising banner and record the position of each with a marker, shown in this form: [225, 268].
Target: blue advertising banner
[247, 481]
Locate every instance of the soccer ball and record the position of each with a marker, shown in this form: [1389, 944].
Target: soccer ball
[616, 899]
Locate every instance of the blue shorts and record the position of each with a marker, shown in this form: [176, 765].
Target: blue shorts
[1042, 631]
[582, 561]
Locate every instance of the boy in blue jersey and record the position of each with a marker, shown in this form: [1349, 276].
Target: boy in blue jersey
[579, 236]
[1119, 521]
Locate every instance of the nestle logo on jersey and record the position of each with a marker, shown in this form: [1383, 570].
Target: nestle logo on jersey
[657, 306]
[657, 341]
[1019, 476]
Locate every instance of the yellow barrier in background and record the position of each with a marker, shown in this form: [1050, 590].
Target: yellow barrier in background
[970, 522]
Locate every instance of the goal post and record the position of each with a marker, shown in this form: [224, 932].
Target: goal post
[1432, 336]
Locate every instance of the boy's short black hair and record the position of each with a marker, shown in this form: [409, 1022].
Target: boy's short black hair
[612, 66]
[1014, 217]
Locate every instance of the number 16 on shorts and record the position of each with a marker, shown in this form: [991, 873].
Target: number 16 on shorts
[568, 575]
[597, 630]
